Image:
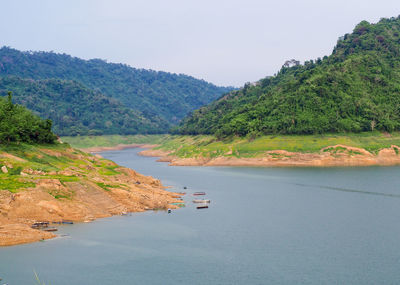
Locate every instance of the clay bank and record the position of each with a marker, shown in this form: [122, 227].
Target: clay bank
[62, 183]
[330, 156]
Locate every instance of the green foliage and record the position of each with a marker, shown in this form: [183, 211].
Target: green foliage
[157, 100]
[77, 110]
[355, 89]
[247, 147]
[112, 140]
[106, 187]
[17, 124]
[13, 183]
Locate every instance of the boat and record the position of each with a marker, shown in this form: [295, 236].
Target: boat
[39, 225]
[50, 229]
[201, 201]
[67, 222]
[199, 193]
[202, 207]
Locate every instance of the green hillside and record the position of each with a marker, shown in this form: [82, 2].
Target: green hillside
[76, 109]
[356, 88]
[19, 125]
[170, 97]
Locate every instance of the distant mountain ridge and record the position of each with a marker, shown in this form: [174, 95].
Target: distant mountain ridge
[75, 109]
[356, 88]
[155, 96]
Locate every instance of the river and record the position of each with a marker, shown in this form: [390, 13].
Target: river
[263, 226]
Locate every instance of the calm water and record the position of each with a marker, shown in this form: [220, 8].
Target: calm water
[264, 226]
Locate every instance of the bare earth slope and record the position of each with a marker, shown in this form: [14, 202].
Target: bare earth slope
[60, 183]
[337, 155]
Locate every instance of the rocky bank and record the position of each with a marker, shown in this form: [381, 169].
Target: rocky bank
[336, 155]
[90, 188]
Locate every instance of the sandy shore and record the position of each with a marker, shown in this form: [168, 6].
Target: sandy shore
[337, 155]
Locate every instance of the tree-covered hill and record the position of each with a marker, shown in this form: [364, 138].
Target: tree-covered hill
[356, 88]
[76, 109]
[18, 124]
[152, 93]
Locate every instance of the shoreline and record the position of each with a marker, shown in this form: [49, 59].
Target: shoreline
[95, 149]
[330, 156]
[92, 189]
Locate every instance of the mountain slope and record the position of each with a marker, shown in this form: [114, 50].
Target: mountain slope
[169, 96]
[356, 88]
[75, 109]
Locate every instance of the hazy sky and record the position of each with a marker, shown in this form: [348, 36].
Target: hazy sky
[224, 42]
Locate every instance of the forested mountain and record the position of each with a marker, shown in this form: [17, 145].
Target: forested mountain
[152, 93]
[17, 124]
[356, 88]
[75, 109]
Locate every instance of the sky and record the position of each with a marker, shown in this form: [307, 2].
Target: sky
[227, 42]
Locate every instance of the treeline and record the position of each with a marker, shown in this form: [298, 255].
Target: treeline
[17, 124]
[356, 88]
[77, 110]
[158, 97]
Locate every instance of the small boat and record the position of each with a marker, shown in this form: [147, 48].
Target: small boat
[201, 201]
[169, 211]
[67, 222]
[50, 229]
[202, 207]
[199, 193]
[39, 225]
[184, 187]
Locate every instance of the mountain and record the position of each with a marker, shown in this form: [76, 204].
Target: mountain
[356, 88]
[153, 95]
[76, 109]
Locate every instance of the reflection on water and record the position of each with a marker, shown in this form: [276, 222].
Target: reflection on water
[348, 190]
[263, 226]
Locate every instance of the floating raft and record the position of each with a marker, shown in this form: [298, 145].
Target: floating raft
[202, 207]
[39, 225]
[51, 229]
[201, 201]
[179, 204]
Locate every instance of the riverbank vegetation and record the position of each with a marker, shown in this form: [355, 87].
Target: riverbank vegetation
[85, 142]
[211, 146]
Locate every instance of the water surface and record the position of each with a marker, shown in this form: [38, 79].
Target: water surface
[264, 226]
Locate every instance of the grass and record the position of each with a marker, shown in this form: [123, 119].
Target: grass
[112, 140]
[107, 187]
[14, 183]
[28, 164]
[209, 146]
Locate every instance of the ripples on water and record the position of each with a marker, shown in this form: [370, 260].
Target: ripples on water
[264, 226]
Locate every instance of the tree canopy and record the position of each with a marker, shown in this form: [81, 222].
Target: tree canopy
[356, 88]
[157, 100]
[77, 110]
[18, 124]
